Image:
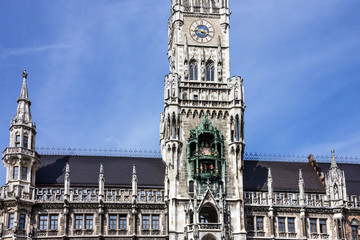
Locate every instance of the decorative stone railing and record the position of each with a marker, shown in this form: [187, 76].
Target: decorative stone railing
[285, 199]
[18, 192]
[20, 150]
[92, 195]
[209, 226]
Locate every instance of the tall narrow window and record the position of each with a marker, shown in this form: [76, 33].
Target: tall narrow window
[260, 224]
[25, 142]
[193, 70]
[122, 222]
[354, 232]
[22, 221]
[24, 173]
[88, 221]
[11, 220]
[145, 222]
[112, 221]
[155, 222]
[43, 222]
[313, 228]
[323, 226]
[210, 71]
[17, 140]
[16, 172]
[54, 222]
[250, 223]
[78, 221]
[291, 225]
[281, 224]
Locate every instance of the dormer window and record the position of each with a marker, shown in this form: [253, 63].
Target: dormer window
[17, 140]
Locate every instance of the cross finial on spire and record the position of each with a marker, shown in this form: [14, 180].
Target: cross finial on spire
[24, 74]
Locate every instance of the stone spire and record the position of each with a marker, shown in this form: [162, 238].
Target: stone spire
[333, 160]
[23, 113]
[101, 182]
[301, 188]
[134, 183]
[270, 183]
[67, 181]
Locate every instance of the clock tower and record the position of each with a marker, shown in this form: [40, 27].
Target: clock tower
[202, 126]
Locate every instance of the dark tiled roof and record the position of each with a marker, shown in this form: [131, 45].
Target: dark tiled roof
[84, 170]
[285, 176]
[352, 176]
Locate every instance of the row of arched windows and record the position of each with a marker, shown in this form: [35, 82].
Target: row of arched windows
[209, 72]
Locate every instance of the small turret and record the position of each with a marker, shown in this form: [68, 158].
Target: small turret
[270, 186]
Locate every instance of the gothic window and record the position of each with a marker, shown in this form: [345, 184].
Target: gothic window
[260, 224]
[16, 172]
[191, 187]
[22, 221]
[323, 228]
[208, 214]
[354, 232]
[155, 222]
[291, 225]
[112, 221]
[88, 221]
[146, 222]
[25, 142]
[313, 228]
[250, 223]
[281, 224]
[43, 222]
[193, 70]
[78, 221]
[238, 128]
[11, 220]
[24, 173]
[354, 229]
[122, 221]
[210, 71]
[54, 222]
[196, 97]
[17, 140]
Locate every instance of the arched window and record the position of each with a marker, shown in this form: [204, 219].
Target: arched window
[210, 71]
[193, 70]
[208, 214]
[354, 229]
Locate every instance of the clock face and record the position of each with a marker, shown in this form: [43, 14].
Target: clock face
[201, 31]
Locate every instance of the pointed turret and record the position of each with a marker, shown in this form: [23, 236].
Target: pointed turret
[301, 188]
[134, 183]
[101, 182]
[333, 160]
[20, 158]
[67, 181]
[270, 185]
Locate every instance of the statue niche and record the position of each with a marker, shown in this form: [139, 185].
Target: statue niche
[205, 152]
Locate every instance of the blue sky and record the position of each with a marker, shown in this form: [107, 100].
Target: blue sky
[96, 72]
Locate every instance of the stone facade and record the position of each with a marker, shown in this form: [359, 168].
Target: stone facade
[207, 190]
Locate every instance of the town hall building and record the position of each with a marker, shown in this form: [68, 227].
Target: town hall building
[202, 188]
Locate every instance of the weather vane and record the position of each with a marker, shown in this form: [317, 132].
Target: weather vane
[24, 74]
